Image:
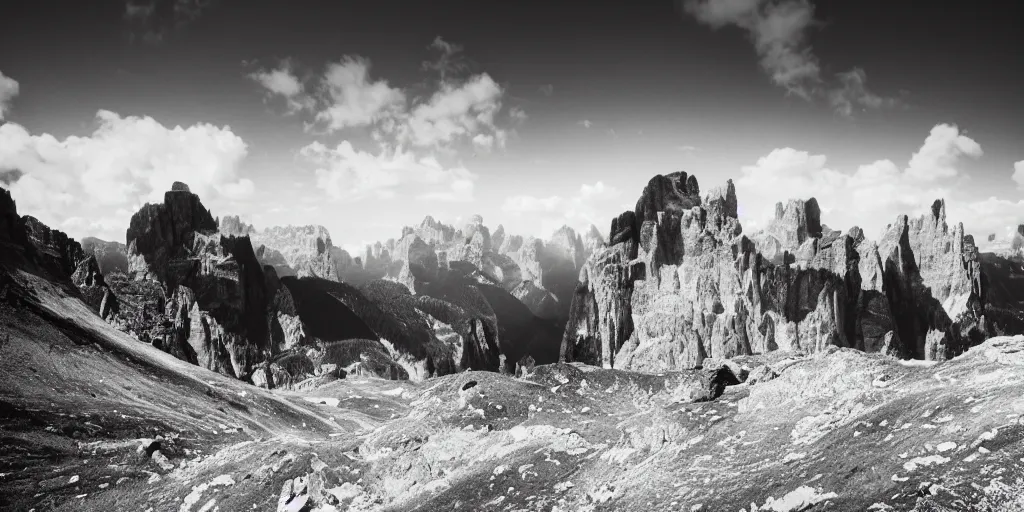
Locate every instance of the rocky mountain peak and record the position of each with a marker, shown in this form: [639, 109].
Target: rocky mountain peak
[673, 192]
[297, 250]
[939, 210]
[432, 231]
[233, 225]
[676, 286]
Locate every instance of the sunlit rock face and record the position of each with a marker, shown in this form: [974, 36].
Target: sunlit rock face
[679, 282]
[303, 251]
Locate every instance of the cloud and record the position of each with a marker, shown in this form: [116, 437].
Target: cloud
[532, 204]
[346, 173]
[547, 89]
[8, 90]
[153, 20]
[483, 141]
[853, 94]
[871, 197]
[92, 185]
[517, 115]
[457, 111]
[940, 153]
[987, 217]
[1018, 174]
[410, 130]
[453, 112]
[586, 123]
[282, 81]
[354, 99]
[591, 205]
[778, 30]
[450, 61]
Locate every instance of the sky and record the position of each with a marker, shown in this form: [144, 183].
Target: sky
[365, 117]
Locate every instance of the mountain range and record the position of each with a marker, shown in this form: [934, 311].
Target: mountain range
[207, 352]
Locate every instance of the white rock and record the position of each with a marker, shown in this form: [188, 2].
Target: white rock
[930, 460]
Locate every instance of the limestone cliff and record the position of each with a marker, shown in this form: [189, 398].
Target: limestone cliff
[213, 284]
[680, 282]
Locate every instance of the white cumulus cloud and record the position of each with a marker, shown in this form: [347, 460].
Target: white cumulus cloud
[92, 185]
[455, 111]
[346, 173]
[460, 111]
[942, 149]
[870, 197]
[282, 81]
[592, 205]
[1018, 174]
[355, 99]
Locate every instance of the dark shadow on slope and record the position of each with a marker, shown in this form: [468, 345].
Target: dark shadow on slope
[521, 332]
[456, 300]
[1003, 282]
[325, 316]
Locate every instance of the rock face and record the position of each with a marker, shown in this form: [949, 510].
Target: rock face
[936, 288]
[306, 251]
[592, 240]
[499, 294]
[540, 273]
[110, 256]
[680, 283]
[214, 287]
[28, 244]
[207, 298]
[233, 225]
[61, 252]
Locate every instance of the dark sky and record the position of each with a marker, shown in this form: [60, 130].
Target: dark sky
[636, 89]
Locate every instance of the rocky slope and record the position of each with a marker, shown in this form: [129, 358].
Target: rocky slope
[680, 282]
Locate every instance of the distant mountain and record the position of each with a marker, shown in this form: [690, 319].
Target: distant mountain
[541, 274]
[110, 256]
[79, 394]
[304, 251]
